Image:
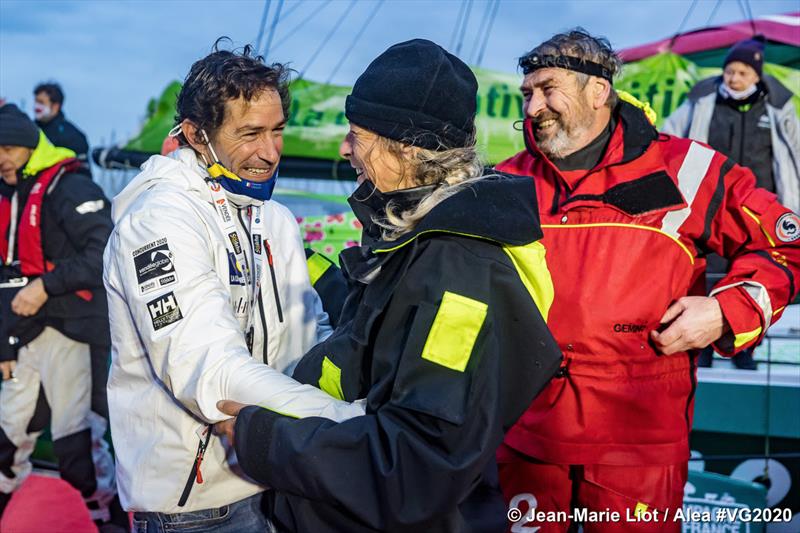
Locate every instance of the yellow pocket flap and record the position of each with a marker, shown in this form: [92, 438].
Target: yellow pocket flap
[454, 331]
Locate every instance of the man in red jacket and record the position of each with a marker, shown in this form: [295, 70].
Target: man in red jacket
[628, 217]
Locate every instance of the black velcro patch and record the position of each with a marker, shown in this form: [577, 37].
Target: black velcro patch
[649, 193]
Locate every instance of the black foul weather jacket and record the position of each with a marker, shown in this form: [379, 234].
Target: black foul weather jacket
[443, 334]
[62, 132]
[74, 229]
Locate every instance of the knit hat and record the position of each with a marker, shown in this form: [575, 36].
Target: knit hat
[417, 93]
[750, 52]
[16, 128]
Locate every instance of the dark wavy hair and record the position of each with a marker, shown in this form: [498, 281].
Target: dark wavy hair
[52, 90]
[227, 75]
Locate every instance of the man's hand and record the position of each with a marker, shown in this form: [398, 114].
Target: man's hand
[229, 407]
[29, 299]
[7, 368]
[696, 322]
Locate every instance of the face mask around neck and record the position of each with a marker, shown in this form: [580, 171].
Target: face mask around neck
[727, 92]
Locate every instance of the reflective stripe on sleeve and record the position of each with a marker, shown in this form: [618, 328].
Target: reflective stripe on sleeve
[317, 266]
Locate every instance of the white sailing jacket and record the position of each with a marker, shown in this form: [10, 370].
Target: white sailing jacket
[178, 334]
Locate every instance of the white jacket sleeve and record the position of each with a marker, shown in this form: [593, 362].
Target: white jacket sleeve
[187, 329]
[679, 122]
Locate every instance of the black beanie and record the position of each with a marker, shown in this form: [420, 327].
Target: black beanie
[749, 52]
[16, 128]
[417, 93]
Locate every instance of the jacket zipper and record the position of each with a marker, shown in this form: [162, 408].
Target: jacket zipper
[274, 281]
[261, 315]
[195, 474]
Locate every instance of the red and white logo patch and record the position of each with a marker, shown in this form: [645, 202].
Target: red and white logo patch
[787, 229]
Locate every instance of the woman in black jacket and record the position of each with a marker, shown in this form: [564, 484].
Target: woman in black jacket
[442, 333]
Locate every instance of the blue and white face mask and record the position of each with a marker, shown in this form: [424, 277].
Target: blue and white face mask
[231, 182]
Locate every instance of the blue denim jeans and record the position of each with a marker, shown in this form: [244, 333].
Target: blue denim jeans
[244, 516]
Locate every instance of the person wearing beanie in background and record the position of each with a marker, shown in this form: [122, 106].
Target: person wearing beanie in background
[443, 331]
[54, 333]
[749, 116]
[49, 113]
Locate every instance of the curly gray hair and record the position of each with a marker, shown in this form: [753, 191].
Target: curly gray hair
[579, 43]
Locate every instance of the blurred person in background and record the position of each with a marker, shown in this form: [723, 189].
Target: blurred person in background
[48, 109]
[54, 334]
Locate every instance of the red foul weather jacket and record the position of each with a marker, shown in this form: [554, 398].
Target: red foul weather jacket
[624, 241]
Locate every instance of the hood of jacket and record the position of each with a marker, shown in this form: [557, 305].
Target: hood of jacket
[181, 169]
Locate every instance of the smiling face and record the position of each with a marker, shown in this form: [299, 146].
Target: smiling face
[250, 140]
[566, 117]
[372, 160]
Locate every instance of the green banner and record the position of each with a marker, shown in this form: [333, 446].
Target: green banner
[160, 119]
[317, 124]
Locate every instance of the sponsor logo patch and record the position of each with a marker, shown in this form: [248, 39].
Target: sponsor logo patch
[164, 311]
[224, 211]
[629, 328]
[236, 272]
[154, 267]
[144, 288]
[234, 238]
[787, 229]
[256, 244]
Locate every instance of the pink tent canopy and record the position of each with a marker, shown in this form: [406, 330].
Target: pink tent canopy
[778, 28]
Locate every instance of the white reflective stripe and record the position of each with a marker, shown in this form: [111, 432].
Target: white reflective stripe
[690, 176]
[12, 229]
[759, 295]
[90, 206]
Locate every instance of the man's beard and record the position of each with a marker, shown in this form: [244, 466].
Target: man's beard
[562, 141]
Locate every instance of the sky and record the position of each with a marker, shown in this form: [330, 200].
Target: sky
[112, 56]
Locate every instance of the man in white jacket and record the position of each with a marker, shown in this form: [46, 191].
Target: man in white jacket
[209, 299]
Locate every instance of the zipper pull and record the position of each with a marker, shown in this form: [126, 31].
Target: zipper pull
[201, 452]
[197, 469]
[274, 280]
[269, 252]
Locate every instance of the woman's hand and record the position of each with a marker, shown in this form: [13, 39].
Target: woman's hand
[229, 407]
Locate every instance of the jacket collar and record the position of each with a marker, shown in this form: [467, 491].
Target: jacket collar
[500, 208]
[45, 155]
[629, 140]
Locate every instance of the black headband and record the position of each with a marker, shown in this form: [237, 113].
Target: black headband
[534, 62]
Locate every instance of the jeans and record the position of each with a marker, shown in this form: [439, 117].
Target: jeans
[244, 516]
